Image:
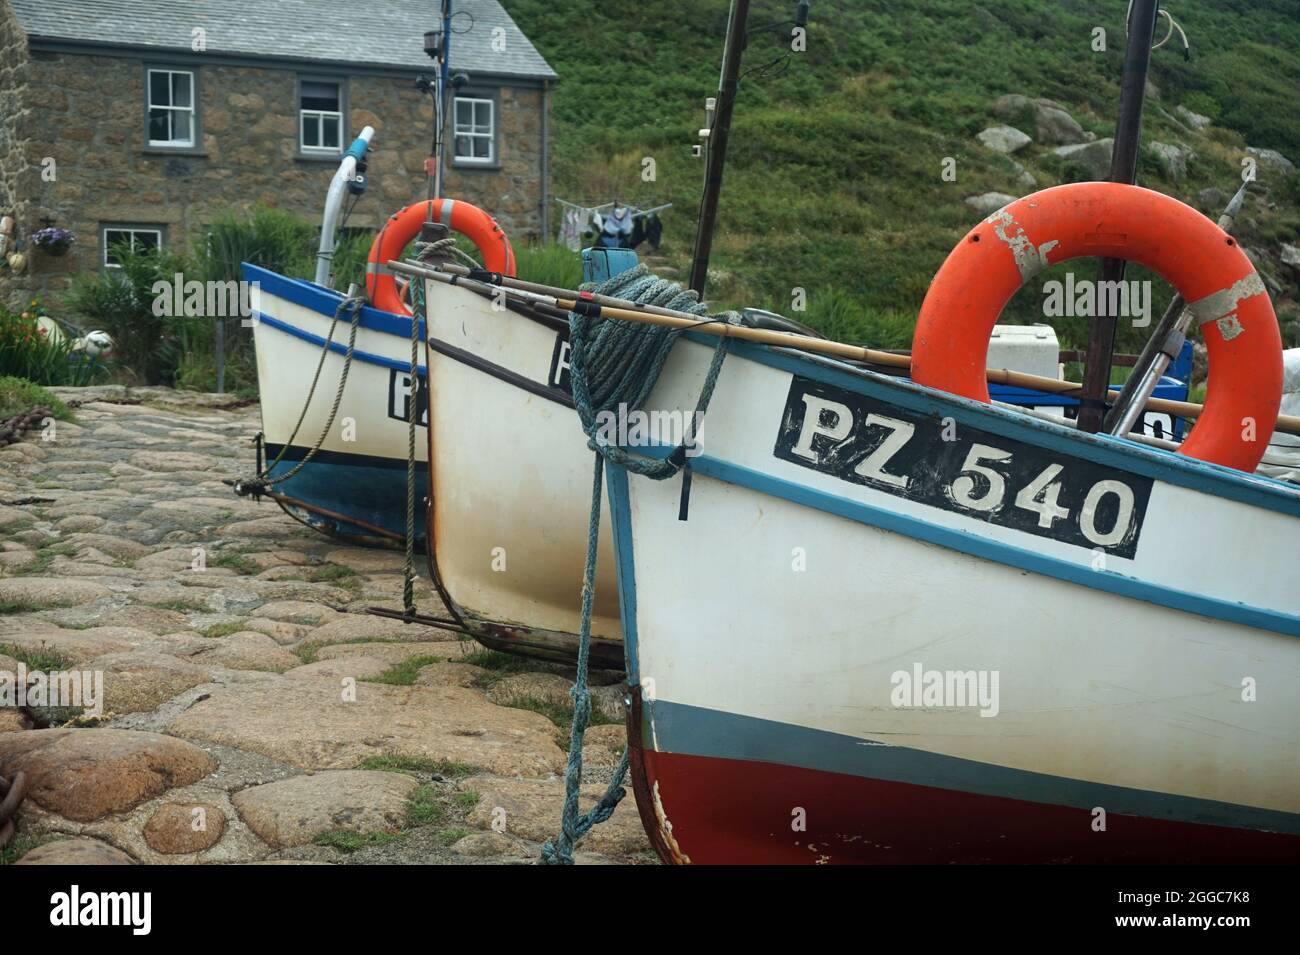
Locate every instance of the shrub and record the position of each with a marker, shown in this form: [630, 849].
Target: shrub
[120, 301]
[18, 395]
[549, 264]
[349, 264]
[270, 238]
[275, 240]
[42, 353]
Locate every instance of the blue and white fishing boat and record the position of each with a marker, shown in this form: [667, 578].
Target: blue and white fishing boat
[958, 633]
[354, 485]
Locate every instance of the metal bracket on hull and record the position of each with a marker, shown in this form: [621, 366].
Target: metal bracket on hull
[421, 618]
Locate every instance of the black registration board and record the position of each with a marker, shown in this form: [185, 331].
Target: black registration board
[940, 463]
[558, 378]
[399, 397]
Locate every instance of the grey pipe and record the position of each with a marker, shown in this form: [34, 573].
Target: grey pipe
[334, 204]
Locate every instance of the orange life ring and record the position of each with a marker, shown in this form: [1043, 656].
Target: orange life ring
[464, 217]
[1106, 219]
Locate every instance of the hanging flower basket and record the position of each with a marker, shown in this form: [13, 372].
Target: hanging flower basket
[53, 240]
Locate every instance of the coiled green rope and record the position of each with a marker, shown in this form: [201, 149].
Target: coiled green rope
[613, 365]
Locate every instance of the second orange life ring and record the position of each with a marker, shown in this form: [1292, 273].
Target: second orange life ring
[1112, 220]
[402, 227]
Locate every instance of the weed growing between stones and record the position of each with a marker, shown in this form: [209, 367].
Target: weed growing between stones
[307, 651]
[498, 664]
[406, 672]
[349, 842]
[428, 805]
[21, 846]
[223, 629]
[8, 607]
[236, 562]
[44, 657]
[428, 767]
[180, 606]
[424, 807]
[453, 835]
[559, 714]
[318, 575]
[45, 557]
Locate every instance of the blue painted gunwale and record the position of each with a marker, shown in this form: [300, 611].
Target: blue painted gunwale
[325, 302]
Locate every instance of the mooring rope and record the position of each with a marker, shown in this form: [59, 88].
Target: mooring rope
[613, 365]
[258, 485]
[412, 413]
[437, 247]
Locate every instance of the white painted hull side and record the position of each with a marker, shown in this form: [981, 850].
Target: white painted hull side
[286, 364]
[511, 474]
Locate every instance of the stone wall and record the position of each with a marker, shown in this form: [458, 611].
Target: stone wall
[13, 124]
[87, 114]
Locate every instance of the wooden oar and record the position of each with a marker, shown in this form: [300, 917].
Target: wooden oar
[1289, 424]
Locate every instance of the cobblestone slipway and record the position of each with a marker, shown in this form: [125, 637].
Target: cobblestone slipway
[252, 711]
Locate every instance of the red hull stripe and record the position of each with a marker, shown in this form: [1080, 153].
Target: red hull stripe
[731, 811]
[681, 729]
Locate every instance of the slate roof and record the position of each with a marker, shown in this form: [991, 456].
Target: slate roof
[377, 33]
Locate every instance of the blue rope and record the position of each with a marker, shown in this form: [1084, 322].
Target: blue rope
[613, 365]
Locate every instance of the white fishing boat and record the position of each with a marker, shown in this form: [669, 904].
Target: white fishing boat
[354, 486]
[335, 378]
[511, 476]
[958, 633]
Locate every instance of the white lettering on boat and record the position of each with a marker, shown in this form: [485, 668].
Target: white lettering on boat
[988, 476]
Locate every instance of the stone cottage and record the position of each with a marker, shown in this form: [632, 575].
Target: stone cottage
[140, 121]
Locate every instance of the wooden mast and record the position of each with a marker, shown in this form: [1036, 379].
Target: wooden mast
[717, 145]
[1123, 168]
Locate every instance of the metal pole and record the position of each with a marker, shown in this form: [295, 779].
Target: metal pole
[440, 104]
[1123, 168]
[1157, 355]
[717, 148]
[220, 333]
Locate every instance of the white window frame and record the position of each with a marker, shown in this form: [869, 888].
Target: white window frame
[133, 231]
[150, 106]
[457, 131]
[318, 116]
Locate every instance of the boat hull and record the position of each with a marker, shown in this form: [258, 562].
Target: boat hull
[907, 824]
[1108, 701]
[355, 486]
[511, 483]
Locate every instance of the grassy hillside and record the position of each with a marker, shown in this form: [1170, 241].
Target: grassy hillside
[834, 179]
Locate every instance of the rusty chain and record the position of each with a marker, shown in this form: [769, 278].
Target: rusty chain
[11, 794]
